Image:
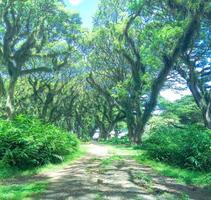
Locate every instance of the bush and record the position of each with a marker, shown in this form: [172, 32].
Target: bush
[27, 142]
[115, 140]
[188, 147]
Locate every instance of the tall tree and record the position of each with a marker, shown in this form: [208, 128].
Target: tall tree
[32, 30]
[144, 43]
[195, 68]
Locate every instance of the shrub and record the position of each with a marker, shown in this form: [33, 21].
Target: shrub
[27, 142]
[115, 140]
[188, 147]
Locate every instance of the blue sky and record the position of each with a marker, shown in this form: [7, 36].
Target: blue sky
[86, 8]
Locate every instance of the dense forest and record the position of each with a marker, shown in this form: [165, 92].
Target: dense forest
[62, 85]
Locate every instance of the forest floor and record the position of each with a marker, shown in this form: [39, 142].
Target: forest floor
[110, 173]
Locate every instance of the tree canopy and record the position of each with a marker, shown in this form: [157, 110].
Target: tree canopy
[52, 68]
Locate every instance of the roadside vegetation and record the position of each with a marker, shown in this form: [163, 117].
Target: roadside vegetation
[61, 84]
[26, 142]
[183, 175]
[175, 143]
[190, 177]
[29, 147]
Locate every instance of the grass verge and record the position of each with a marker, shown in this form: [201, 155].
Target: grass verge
[201, 179]
[24, 189]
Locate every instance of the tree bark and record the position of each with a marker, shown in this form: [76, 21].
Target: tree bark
[204, 103]
[201, 95]
[208, 113]
[10, 97]
[2, 87]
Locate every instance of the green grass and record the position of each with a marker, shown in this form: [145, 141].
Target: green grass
[99, 196]
[181, 175]
[24, 190]
[144, 177]
[106, 163]
[201, 179]
[21, 191]
[168, 196]
[109, 161]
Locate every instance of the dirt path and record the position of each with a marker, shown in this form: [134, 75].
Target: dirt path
[103, 174]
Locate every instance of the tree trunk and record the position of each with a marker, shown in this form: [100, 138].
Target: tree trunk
[135, 133]
[207, 114]
[10, 97]
[138, 134]
[207, 119]
[103, 132]
[204, 103]
[2, 87]
[130, 132]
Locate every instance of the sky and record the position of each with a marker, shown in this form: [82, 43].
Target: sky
[86, 8]
[173, 95]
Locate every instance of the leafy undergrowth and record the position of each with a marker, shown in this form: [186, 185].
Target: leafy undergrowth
[23, 190]
[202, 179]
[27, 142]
[117, 141]
[29, 147]
[188, 147]
[7, 172]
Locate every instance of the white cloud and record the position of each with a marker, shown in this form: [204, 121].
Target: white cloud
[75, 2]
[172, 95]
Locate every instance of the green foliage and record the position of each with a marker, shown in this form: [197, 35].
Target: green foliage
[21, 191]
[27, 142]
[8, 172]
[184, 109]
[181, 175]
[24, 190]
[115, 140]
[188, 147]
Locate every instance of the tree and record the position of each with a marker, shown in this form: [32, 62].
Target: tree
[135, 53]
[30, 31]
[195, 68]
[184, 109]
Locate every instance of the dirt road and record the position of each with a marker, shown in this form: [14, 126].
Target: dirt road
[105, 173]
